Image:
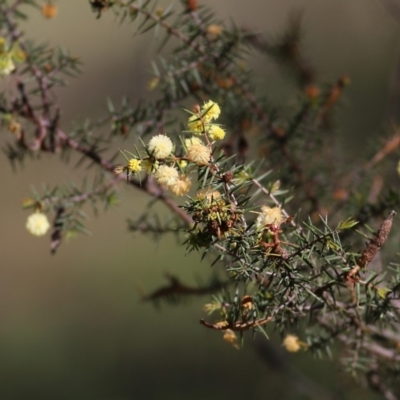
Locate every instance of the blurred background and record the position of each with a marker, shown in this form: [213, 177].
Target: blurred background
[72, 325]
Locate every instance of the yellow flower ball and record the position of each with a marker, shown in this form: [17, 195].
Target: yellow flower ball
[210, 110]
[195, 124]
[134, 165]
[215, 133]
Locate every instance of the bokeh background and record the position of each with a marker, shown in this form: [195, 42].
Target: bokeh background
[72, 326]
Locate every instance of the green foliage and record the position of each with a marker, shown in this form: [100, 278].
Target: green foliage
[259, 212]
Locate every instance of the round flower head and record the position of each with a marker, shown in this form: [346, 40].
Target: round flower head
[166, 175]
[134, 165]
[210, 111]
[199, 154]
[181, 185]
[215, 133]
[195, 124]
[160, 146]
[293, 344]
[269, 216]
[37, 224]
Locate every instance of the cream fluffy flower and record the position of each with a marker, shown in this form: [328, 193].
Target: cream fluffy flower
[269, 216]
[160, 146]
[199, 154]
[181, 185]
[166, 175]
[37, 224]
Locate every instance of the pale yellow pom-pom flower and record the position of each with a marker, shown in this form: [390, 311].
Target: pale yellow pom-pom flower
[181, 185]
[195, 124]
[293, 344]
[199, 154]
[269, 216]
[211, 110]
[37, 224]
[166, 175]
[134, 165]
[215, 133]
[160, 146]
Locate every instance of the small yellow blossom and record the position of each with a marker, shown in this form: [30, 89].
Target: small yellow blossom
[166, 175]
[37, 224]
[15, 128]
[182, 164]
[195, 124]
[192, 140]
[215, 133]
[134, 165]
[293, 344]
[9, 56]
[6, 64]
[213, 31]
[199, 154]
[269, 216]
[181, 185]
[160, 146]
[210, 111]
[230, 337]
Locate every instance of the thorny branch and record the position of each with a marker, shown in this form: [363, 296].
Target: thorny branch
[283, 272]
